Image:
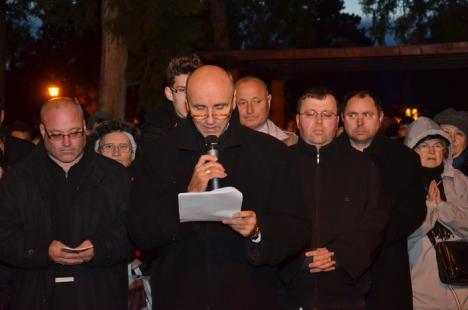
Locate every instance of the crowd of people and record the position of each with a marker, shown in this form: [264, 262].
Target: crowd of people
[329, 219]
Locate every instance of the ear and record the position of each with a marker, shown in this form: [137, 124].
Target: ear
[269, 101]
[2, 115]
[43, 132]
[234, 105]
[298, 121]
[168, 93]
[381, 117]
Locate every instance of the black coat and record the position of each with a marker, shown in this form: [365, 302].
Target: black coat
[15, 150]
[343, 197]
[404, 191]
[209, 265]
[26, 232]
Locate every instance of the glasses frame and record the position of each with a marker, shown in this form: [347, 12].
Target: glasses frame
[214, 114]
[56, 137]
[178, 90]
[114, 147]
[312, 114]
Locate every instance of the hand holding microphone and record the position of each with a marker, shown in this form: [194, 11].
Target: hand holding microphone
[207, 168]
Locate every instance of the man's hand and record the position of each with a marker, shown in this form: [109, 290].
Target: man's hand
[63, 258]
[433, 193]
[87, 255]
[244, 222]
[206, 169]
[322, 260]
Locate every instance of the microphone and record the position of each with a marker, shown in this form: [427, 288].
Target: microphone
[211, 143]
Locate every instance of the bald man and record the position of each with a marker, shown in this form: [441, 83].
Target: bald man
[253, 102]
[230, 264]
[62, 220]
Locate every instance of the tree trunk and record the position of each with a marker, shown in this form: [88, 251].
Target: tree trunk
[219, 24]
[2, 52]
[112, 86]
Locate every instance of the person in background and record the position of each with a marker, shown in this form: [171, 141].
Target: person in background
[20, 130]
[117, 140]
[171, 113]
[253, 102]
[342, 194]
[403, 128]
[455, 124]
[62, 220]
[446, 220]
[361, 112]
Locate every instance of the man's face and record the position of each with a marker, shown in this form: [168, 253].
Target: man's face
[253, 102]
[211, 108]
[317, 120]
[66, 121]
[176, 94]
[361, 120]
[459, 140]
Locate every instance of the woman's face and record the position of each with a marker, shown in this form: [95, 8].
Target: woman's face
[117, 146]
[431, 152]
[459, 140]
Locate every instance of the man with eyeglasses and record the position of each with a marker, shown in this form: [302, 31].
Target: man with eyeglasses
[404, 192]
[62, 220]
[342, 195]
[171, 113]
[217, 265]
[253, 102]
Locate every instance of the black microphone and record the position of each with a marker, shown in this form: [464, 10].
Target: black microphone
[211, 143]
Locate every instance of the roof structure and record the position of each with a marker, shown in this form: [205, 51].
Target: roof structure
[405, 57]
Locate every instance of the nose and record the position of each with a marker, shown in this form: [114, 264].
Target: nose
[115, 151]
[431, 150]
[319, 118]
[360, 120]
[250, 108]
[66, 141]
[210, 117]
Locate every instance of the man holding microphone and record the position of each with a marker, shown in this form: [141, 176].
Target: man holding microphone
[217, 265]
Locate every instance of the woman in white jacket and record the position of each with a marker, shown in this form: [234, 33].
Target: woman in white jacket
[447, 217]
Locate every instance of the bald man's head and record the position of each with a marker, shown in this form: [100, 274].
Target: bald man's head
[210, 99]
[253, 101]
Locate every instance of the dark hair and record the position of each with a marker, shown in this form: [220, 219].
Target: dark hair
[20, 126]
[182, 64]
[116, 125]
[315, 93]
[361, 94]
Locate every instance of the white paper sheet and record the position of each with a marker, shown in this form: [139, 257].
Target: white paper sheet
[214, 205]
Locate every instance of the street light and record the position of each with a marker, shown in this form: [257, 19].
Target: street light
[54, 91]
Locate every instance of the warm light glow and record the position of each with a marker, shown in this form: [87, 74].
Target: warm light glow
[54, 91]
[408, 112]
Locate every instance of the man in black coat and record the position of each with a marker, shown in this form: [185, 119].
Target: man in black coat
[216, 265]
[62, 220]
[404, 193]
[171, 113]
[342, 194]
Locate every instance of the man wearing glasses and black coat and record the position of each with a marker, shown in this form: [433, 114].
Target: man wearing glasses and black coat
[62, 214]
[217, 265]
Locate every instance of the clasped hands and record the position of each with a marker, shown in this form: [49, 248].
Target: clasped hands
[207, 168]
[322, 260]
[64, 258]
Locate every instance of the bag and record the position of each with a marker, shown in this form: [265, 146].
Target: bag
[139, 290]
[452, 261]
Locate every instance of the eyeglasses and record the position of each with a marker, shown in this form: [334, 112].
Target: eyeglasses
[219, 111]
[178, 90]
[312, 114]
[60, 136]
[425, 147]
[111, 147]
